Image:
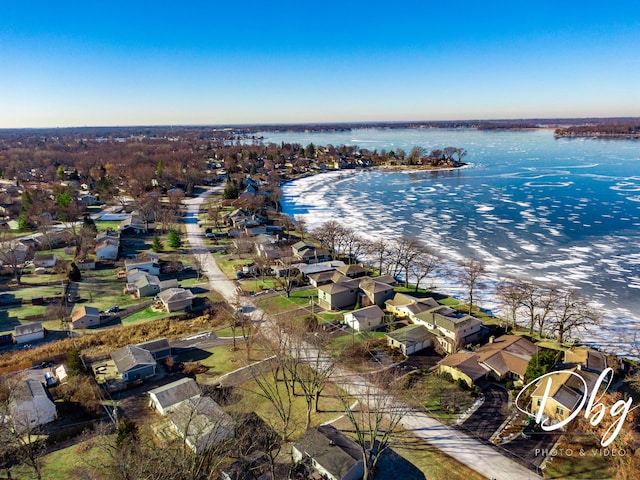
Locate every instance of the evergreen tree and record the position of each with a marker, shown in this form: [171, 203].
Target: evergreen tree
[173, 239]
[74, 273]
[157, 244]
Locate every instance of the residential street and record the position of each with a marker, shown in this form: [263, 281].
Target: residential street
[477, 455]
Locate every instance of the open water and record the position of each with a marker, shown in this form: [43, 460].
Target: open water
[562, 211]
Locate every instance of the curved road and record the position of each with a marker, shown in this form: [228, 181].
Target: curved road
[473, 453]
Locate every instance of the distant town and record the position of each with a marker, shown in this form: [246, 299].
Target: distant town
[160, 317]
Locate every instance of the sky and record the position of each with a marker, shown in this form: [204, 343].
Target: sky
[90, 63]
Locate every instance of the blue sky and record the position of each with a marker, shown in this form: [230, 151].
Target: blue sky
[73, 63]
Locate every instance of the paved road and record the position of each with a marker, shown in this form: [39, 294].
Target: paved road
[475, 454]
[484, 422]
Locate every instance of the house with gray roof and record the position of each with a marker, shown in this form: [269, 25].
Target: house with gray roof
[158, 348]
[134, 363]
[30, 405]
[175, 299]
[364, 319]
[165, 397]
[328, 452]
[410, 339]
[201, 422]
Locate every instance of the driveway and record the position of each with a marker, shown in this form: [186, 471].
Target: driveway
[488, 418]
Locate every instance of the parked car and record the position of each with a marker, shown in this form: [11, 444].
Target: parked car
[114, 309]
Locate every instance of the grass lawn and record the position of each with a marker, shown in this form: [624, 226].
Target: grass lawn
[590, 466]
[143, 316]
[226, 265]
[440, 398]
[109, 225]
[338, 344]
[281, 303]
[64, 462]
[253, 285]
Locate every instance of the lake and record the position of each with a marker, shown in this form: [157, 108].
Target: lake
[561, 211]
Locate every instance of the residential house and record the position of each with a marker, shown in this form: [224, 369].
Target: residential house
[175, 299]
[321, 278]
[364, 319]
[201, 422]
[320, 267]
[31, 406]
[88, 199]
[85, 317]
[254, 466]
[132, 275]
[568, 388]
[29, 332]
[588, 359]
[410, 339]
[352, 271]
[136, 224]
[375, 292]
[107, 248]
[158, 348]
[502, 359]
[150, 285]
[337, 296]
[147, 264]
[87, 263]
[454, 329]
[165, 397]
[406, 306]
[329, 453]
[44, 260]
[309, 253]
[266, 246]
[134, 363]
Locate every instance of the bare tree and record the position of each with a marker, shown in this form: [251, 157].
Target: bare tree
[301, 225]
[375, 419]
[423, 266]
[405, 251]
[379, 250]
[330, 235]
[511, 294]
[572, 313]
[13, 255]
[471, 273]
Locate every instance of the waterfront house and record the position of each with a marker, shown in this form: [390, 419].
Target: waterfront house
[406, 306]
[502, 359]
[337, 296]
[454, 329]
[375, 293]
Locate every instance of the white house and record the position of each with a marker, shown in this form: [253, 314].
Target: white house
[29, 332]
[31, 406]
[365, 318]
[107, 248]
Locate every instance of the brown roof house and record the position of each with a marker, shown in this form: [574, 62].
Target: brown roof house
[175, 299]
[406, 306]
[85, 317]
[505, 358]
[363, 319]
[328, 452]
[375, 292]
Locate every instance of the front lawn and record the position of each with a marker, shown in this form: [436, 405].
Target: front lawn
[444, 400]
[282, 303]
